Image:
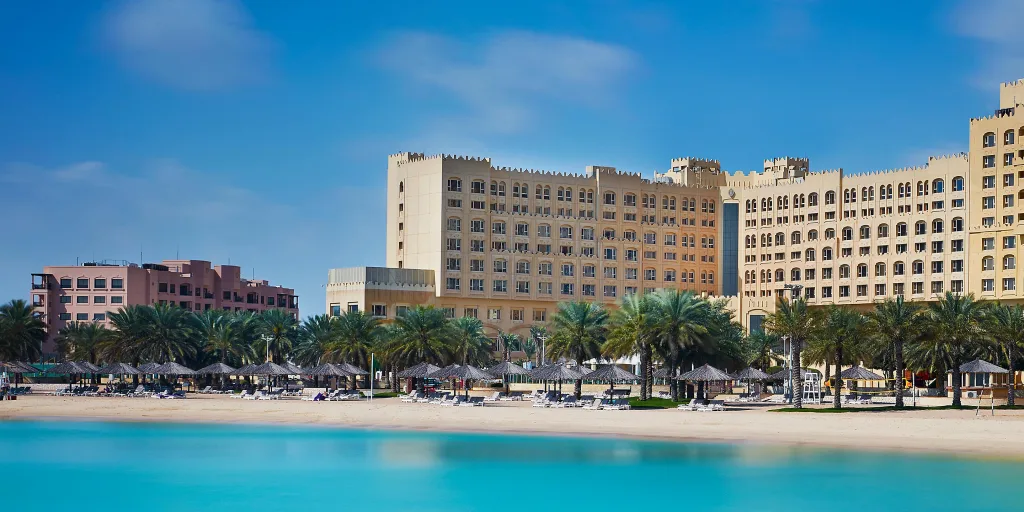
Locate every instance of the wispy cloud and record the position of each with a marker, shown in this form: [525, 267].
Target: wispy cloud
[198, 45]
[995, 24]
[502, 79]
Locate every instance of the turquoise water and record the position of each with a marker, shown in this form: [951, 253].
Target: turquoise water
[92, 466]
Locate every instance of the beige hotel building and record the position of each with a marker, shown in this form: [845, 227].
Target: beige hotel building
[506, 245]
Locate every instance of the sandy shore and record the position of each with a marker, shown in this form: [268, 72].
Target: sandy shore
[948, 431]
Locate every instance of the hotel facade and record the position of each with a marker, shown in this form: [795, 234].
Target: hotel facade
[88, 293]
[506, 245]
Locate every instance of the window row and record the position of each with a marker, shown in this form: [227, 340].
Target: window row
[862, 270]
[988, 140]
[98, 283]
[97, 299]
[546, 287]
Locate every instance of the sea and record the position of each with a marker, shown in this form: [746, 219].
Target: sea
[60, 465]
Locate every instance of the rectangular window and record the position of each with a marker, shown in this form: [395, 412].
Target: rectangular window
[500, 286]
[82, 283]
[64, 316]
[380, 310]
[567, 289]
[517, 314]
[452, 283]
[81, 316]
[454, 185]
[1009, 284]
[476, 265]
[99, 317]
[99, 299]
[65, 282]
[476, 285]
[522, 287]
[335, 309]
[589, 290]
[1009, 242]
[99, 283]
[65, 299]
[82, 299]
[544, 288]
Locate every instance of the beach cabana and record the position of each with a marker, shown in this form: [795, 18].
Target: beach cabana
[506, 369]
[980, 377]
[705, 373]
[856, 373]
[469, 373]
[217, 369]
[268, 370]
[118, 369]
[174, 370]
[354, 371]
[556, 372]
[418, 373]
[327, 370]
[751, 374]
[611, 374]
[69, 368]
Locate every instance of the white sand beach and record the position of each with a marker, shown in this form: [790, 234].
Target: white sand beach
[962, 431]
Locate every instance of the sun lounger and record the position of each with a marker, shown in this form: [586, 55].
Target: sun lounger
[254, 396]
[694, 405]
[412, 397]
[714, 405]
[494, 397]
[569, 401]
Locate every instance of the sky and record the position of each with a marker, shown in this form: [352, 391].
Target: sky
[258, 132]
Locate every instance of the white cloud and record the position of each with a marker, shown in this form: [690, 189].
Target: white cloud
[503, 79]
[198, 45]
[995, 24]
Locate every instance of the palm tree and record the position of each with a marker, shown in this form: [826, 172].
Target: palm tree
[278, 329]
[357, 335]
[529, 348]
[315, 335]
[680, 320]
[792, 319]
[957, 323]
[840, 341]
[22, 331]
[82, 341]
[897, 324]
[508, 342]
[223, 335]
[422, 334]
[1006, 326]
[170, 334]
[579, 333]
[632, 332]
[762, 346]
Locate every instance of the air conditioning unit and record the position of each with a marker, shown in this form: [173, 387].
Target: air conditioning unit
[972, 394]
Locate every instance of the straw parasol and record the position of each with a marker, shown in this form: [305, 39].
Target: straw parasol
[611, 373]
[148, 367]
[118, 369]
[14, 367]
[88, 367]
[270, 368]
[444, 373]
[295, 370]
[173, 368]
[468, 373]
[328, 370]
[353, 369]
[505, 369]
[706, 373]
[556, 372]
[861, 373]
[980, 366]
[661, 373]
[245, 370]
[28, 368]
[419, 371]
[751, 373]
[216, 369]
[68, 367]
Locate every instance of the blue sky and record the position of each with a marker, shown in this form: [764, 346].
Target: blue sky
[258, 131]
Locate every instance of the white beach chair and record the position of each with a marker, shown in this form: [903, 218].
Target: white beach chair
[412, 397]
[497, 395]
[255, 396]
[593, 405]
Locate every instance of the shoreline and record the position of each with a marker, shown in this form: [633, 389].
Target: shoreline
[923, 432]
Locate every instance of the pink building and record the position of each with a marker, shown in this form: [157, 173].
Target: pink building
[87, 293]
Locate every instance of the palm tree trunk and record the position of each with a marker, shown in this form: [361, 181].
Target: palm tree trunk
[796, 375]
[1011, 384]
[643, 375]
[898, 348]
[828, 371]
[673, 384]
[837, 402]
[579, 388]
[394, 377]
[649, 381]
[956, 384]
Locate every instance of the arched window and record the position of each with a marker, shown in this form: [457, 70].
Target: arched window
[958, 184]
[847, 233]
[898, 268]
[561, 194]
[879, 269]
[547, 192]
[937, 187]
[812, 235]
[937, 226]
[629, 235]
[900, 190]
[862, 270]
[917, 267]
[863, 193]
[812, 199]
[568, 194]
[780, 276]
[501, 188]
[795, 237]
[609, 198]
[794, 275]
[957, 224]
[830, 197]
[1009, 262]
[865, 232]
[780, 239]
[883, 231]
[826, 254]
[830, 233]
[901, 229]
[988, 263]
[844, 271]
[401, 187]
[629, 200]
[1008, 137]
[920, 228]
[540, 192]
[809, 255]
[988, 140]
[583, 196]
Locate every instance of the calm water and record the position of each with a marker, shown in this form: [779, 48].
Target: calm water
[88, 466]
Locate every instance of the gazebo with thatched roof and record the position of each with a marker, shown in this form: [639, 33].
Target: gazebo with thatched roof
[119, 369]
[418, 373]
[611, 373]
[982, 378]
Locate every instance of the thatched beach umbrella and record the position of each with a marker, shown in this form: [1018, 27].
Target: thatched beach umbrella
[353, 369]
[705, 373]
[611, 373]
[468, 373]
[556, 372]
[505, 369]
[861, 373]
[118, 369]
[69, 368]
[148, 367]
[88, 367]
[174, 370]
[327, 370]
[268, 370]
[418, 373]
[444, 373]
[216, 369]
[750, 374]
[245, 371]
[296, 370]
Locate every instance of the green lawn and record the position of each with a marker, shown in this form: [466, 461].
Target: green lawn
[655, 403]
[384, 394]
[830, 410]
